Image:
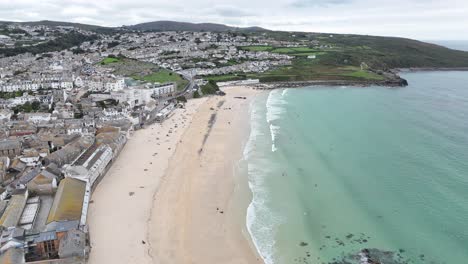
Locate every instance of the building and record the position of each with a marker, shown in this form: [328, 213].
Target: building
[11, 238]
[10, 148]
[91, 165]
[73, 244]
[45, 182]
[113, 137]
[163, 90]
[46, 246]
[29, 213]
[37, 117]
[68, 201]
[4, 165]
[69, 152]
[5, 115]
[12, 214]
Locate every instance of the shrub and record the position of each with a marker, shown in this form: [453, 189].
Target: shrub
[181, 99]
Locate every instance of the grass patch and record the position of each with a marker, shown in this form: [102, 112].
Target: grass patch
[364, 75]
[225, 78]
[290, 50]
[210, 88]
[257, 48]
[109, 60]
[303, 69]
[163, 76]
[307, 54]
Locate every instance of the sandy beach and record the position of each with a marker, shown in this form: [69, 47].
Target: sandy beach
[194, 218]
[172, 196]
[121, 204]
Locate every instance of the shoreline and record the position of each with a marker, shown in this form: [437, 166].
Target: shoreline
[396, 82]
[199, 210]
[423, 69]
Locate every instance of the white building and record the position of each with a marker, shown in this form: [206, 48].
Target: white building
[104, 84]
[91, 164]
[164, 90]
[37, 117]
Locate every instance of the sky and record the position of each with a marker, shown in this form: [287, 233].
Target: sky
[418, 19]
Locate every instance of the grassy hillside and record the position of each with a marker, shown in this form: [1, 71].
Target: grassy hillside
[377, 52]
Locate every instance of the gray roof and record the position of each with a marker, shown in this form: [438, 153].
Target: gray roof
[63, 226]
[28, 176]
[9, 144]
[46, 236]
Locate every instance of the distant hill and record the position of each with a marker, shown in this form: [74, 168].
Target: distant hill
[185, 26]
[149, 26]
[93, 28]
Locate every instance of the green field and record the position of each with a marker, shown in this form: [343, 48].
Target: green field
[143, 71]
[292, 51]
[360, 74]
[109, 60]
[257, 48]
[304, 69]
[163, 76]
[227, 77]
[307, 53]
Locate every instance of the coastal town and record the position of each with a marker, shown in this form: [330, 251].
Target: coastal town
[73, 96]
[66, 115]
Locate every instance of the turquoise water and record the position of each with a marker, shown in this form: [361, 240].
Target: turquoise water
[334, 171]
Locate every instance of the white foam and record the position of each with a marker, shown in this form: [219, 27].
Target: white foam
[274, 131]
[260, 220]
[275, 106]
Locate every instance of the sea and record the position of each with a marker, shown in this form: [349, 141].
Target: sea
[352, 175]
[452, 44]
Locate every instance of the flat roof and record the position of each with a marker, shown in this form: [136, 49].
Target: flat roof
[12, 214]
[68, 201]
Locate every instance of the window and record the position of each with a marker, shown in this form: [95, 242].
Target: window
[49, 246]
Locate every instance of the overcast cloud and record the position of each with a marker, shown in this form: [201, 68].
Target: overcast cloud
[420, 19]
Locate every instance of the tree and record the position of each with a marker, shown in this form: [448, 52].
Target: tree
[35, 105]
[210, 88]
[112, 44]
[181, 99]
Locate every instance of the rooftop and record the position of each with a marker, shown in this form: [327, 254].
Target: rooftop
[68, 201]
[12, 214]
[9, 144]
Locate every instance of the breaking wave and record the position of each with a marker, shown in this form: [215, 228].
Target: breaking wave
[261, 221]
